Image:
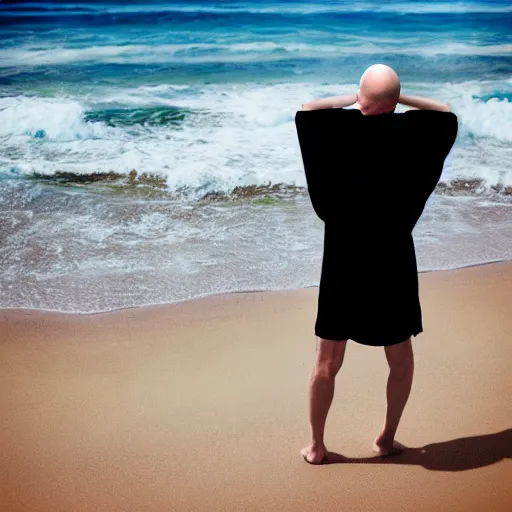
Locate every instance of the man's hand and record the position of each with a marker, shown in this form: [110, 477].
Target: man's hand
[331, 102]
[423, 103]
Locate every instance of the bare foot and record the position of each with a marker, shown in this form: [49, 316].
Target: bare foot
[385, 447]
[314, 454]
[320, 455]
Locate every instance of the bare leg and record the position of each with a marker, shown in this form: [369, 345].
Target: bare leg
[329, 358]
[401, 369]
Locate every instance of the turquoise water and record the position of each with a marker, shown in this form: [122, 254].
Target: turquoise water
[201, 97]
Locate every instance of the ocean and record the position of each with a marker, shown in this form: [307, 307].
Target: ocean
[148, 152]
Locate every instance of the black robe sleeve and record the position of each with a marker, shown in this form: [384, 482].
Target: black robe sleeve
[369, 178]
[350, 159]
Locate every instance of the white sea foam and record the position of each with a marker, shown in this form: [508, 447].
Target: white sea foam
[117, 254]
[492, 118]
[319, 7]
[262, 7]
[399, 8]
[237, 134]
[51, 118]
[260, 51]
[489, 119]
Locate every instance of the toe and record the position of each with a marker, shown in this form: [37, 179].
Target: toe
[322, 461]
[314, 458]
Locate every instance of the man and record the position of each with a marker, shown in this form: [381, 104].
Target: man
[379, 92]
[378, 95]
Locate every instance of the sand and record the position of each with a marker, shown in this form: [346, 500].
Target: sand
[203, 406]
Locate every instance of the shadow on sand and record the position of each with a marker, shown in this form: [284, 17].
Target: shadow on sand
[456, 455]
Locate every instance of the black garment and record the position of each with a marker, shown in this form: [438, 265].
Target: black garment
[369, 178]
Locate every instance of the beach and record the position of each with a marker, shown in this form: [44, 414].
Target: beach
[202, 405]
[160, 258]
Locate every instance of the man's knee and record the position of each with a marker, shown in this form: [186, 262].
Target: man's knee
[330, 355]
[327, 368]
[400, 358]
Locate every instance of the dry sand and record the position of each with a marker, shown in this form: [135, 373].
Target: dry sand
[203, 406]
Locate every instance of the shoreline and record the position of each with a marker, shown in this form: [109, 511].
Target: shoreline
[220, 295]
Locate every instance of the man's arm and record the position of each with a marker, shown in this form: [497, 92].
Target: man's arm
[332, 102]
[423, 103]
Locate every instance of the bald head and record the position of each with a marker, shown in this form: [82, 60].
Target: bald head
[379, 90]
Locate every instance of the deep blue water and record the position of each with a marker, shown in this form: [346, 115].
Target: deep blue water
[215, 42]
